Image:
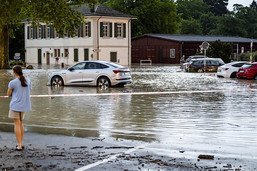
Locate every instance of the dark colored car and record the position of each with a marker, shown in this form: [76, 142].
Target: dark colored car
[248, 71]
[204, 65]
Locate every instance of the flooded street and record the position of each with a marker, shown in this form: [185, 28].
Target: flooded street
[171, 109]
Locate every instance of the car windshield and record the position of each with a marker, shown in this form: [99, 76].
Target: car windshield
[246, 65]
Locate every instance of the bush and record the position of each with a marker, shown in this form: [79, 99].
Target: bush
[15, 62]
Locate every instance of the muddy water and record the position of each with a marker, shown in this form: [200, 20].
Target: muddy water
[199, 111]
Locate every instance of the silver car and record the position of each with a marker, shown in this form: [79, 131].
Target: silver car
[94, 73]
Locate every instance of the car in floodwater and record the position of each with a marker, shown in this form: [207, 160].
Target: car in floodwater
[92, 73]
[204, 65]
[248, 71]
[185, 65]
[229, 70]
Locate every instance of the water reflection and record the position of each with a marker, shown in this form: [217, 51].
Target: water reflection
[186, 117]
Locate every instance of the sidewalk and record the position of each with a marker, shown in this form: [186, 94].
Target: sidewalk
[54, 152]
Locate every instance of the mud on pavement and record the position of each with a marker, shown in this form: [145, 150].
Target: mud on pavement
[53, 153]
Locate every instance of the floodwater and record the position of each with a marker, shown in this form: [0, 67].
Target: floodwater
[196, 111]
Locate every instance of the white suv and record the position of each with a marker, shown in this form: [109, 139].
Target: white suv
[95, 73]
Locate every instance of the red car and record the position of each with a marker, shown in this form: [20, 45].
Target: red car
[248, 71]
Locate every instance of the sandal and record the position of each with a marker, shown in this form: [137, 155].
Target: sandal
[19, 149]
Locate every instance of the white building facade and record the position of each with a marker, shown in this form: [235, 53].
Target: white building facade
[105, 35]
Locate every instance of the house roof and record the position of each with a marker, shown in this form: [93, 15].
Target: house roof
[199, 38]
[99, 10]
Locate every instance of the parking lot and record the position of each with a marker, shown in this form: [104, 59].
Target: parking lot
[174, 113]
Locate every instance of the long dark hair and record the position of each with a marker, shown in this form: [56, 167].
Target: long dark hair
[18, 70]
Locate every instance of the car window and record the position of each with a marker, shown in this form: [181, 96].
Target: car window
[93, 65]
[79, 66]
[198, 62]
[104, 66]
[213, 63]
[238, 65]
[246, 65]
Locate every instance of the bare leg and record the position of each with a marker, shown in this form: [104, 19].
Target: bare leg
[19, 131]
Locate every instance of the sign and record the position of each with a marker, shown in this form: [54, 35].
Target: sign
[17, 56]
[205, 45]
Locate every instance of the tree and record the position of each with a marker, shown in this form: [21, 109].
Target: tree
[56, 12]
[153, 16]
[217, 7]
[191, 8]
[221, 50]
[191, 26]
[229, 25]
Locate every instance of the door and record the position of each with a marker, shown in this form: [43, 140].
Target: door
[39, 56]
[47, 58]
[91, 72]
[86, 54]
[74, 75]
[76, 55]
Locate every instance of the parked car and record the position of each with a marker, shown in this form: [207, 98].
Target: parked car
[204, 65]
[229, 70]
[95, 73]
[185, 65]
[248, 71]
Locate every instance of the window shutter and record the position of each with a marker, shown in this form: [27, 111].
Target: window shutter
[34, 32]
[51, 31]
[115, 30]
[28, 32]
[89, 29]
[101, 29]
[124, 30]
[110, 26]
[82, 30]
[42, 31]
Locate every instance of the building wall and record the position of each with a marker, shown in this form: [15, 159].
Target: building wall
[99, 48]
[157, 50]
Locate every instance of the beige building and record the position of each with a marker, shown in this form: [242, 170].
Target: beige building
[106, 35]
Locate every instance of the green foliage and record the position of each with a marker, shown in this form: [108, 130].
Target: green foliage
[217, 7]
[191, 26]
[191, 8]
[56, 12]
[247, 56]
[221, 50]
[16, 62]
[153, 16]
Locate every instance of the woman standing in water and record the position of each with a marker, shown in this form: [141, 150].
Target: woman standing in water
[19, 90]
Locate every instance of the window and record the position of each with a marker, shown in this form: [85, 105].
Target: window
[119, 30]
[39, 30]
[31, 33]
[57, 52]
[48, 32]
[87, 29]
[86, 54]
[105, 29]
[76, 55]
[66, 52]
[113, 56]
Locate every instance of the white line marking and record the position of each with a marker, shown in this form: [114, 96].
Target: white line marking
[134, 93]
[109, 159]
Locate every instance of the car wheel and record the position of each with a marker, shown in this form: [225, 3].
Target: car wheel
[103, 83]
[57, 81]
[233, 75]
[255, 78]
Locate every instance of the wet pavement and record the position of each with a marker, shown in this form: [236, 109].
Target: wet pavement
[176, 116]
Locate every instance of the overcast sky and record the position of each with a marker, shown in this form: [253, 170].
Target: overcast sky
[243, 2]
